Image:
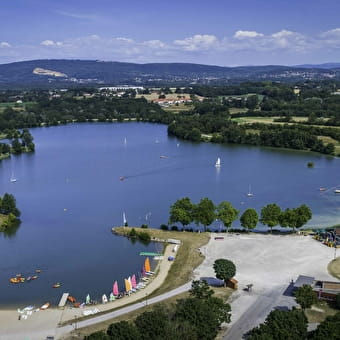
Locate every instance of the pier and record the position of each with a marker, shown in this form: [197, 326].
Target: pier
[63, 300]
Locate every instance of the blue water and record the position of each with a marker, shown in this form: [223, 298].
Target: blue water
[70, 195]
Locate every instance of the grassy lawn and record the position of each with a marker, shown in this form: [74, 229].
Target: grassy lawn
[334, 268]
[320, 311]
[187, 259]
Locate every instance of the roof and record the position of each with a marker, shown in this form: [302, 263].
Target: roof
[212, 281]
[304, 280]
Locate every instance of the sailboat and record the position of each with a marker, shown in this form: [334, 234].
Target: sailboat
[250, 194]
[13, 179]
[104, 298]
[125, 141]
[218, 163]
[124, 220]
[115, 290]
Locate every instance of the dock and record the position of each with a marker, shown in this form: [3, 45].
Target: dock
[63, 300]
[146, 253]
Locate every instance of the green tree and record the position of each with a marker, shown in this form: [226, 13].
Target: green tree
[123, 330]
[249, 219]
[100, 335]
[281, 325]
[16, 146]
[328, 329]
[151, 325]
[295, 218]
[204, 314]
[224, 269]
[8, 205]
[181, 211]
[226, 213]
[270, 215]
[305, 296]
[204, 212]
[200, 289]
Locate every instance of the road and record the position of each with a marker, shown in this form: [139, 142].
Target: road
[256, 313]
[61, 331]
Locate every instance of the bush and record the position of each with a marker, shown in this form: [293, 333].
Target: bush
[164, 227]
[337, 301]
[144, 226]
[133, 233]
[143, 236]
[174, 228]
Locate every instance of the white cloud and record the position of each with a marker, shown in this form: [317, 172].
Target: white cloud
[4, 44]
[51, 43]
[198, 42]
[247, 34]
[79, 16]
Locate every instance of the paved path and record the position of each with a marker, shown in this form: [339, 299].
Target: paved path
[257, 312]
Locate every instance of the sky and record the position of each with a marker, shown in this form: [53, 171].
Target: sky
[214, 32]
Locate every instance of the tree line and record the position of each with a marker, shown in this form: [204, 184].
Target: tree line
[205, 213]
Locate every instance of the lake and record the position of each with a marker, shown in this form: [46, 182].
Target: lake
[70, 195]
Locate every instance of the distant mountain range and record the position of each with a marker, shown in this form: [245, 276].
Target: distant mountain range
[66, 73]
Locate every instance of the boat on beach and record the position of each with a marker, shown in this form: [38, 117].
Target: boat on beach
[17, 279]
[45, 306]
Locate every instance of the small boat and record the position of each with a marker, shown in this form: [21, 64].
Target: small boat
[122, 178]
[38, 270]
[29, 279]
[45, 306]
[13, 179]
[250, 194]
[34, 277]
[17, 279]
[18, 275]
[57, 285]
[162, 156]
[76, 305]
[71, 299]
[219, 238]
[337, 191]
[218, 163]
[322, 189]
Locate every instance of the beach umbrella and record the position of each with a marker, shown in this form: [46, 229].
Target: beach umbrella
[112, 297]
[88, 299]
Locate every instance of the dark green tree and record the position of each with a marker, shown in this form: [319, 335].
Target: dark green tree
[295, 218]
[281, 325]
[201, 290]
[204, 212]
[305, 296]
[123, 330]
[328, 329]
[270, 215]
[226, 213]
[16, 146]
[224, 269]
[151, 325]
[181, 211]
[100, 335]
[204, 314]
[8, 205]
[249, 219]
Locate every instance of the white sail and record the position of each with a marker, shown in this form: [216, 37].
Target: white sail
[13, 179]
[218, 162]
[124, 219]
[249, 194]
